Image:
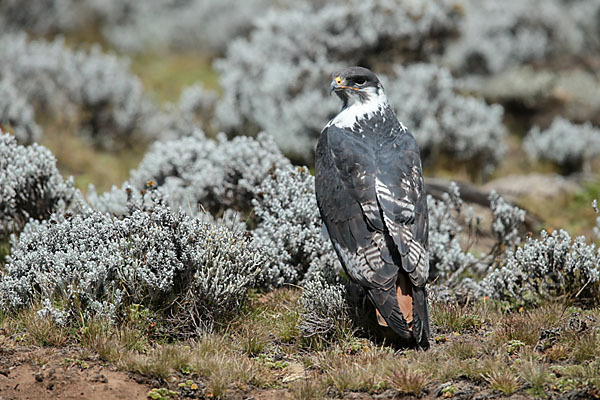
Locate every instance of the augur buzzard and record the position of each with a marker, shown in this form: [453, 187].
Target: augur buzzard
[371, 196]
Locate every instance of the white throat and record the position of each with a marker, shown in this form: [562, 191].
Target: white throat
[358, 109]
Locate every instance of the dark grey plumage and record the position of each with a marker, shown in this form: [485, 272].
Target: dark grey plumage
[371, 196]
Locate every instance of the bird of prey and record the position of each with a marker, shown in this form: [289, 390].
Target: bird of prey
[370, 193]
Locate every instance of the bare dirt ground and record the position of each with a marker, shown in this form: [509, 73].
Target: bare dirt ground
[29, 372]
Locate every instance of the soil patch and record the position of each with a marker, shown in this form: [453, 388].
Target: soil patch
[28, 372]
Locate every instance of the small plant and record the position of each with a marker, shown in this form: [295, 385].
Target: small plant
[287, 327]
[453, 318]
[325, 310]
[43, 330]
[161, 394]
[252, 341]
[514, 345]
[461, 349]
[218, 384]
[408, 380]
[270, 363]
[517, 328]
[189, 388]
[449, 391]
[506, 223]
[569, 145]
[69, 362]
[585, 346]
[502, 380]
[537, 376]
[568, 377]
[308, 389]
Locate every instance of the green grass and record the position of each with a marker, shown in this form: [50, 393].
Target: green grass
[571, 212]
[4, 251]
[164, 76]
[79, 158]
[163, 73]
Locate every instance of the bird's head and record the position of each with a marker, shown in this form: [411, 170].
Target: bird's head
[355, 85]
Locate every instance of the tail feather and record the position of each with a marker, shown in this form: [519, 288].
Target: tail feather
[387, 305]
[421, 331]
[416, 331]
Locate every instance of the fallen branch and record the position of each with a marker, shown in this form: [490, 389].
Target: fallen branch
[470, 194]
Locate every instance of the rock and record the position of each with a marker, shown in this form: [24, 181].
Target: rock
[522, 84]
[388, 394]
[99, 378]
[575, 92]
[544, 186]
[294, 371]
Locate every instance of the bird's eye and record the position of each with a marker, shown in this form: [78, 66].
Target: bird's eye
[360, 81]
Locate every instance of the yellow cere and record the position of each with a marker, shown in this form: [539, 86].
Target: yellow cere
[338, 80]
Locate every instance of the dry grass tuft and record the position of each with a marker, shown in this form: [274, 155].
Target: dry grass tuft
[42, 331]
[364, 371]
[160, 362]
[97, 336]
[453, 318]
[287, 327]
[146, 365]
[462, 349]
[517, 327]
[210, 344]
[536, 375]
[312, 388]
[218, 384]
[503, 380]
[227, 369]
[586, 346]
[406, 379]
[350, 376]
[549, 316]
[557, 352]
[252, 339]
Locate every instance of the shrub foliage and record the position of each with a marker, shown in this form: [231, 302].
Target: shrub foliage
[30, 185]
[196, 273]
